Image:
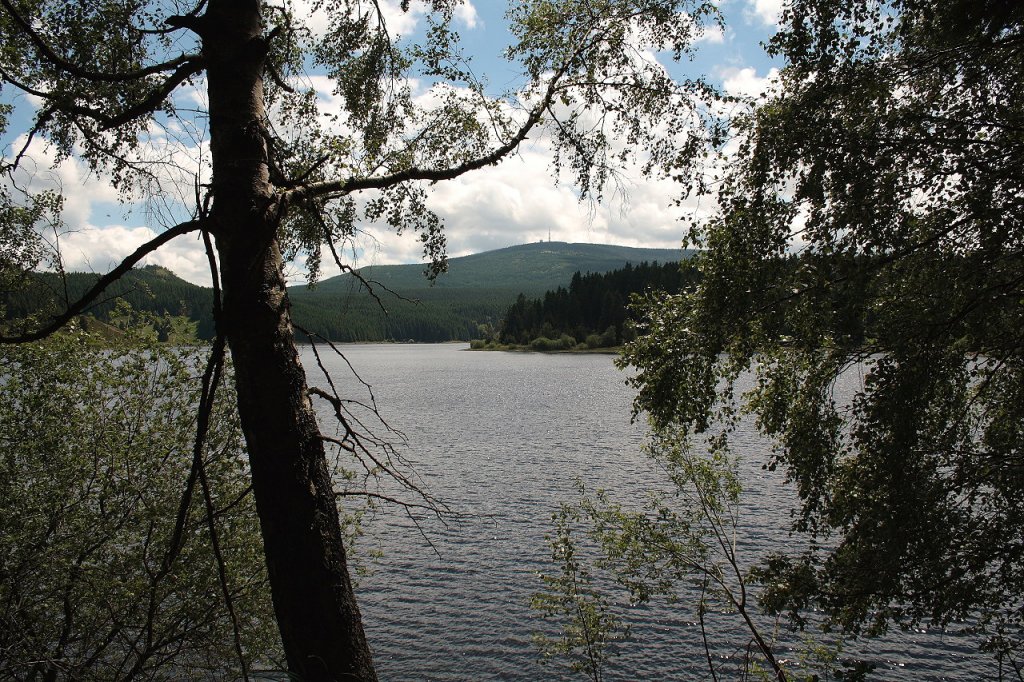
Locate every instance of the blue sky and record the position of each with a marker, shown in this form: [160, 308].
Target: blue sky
[515, 202]
[721, 55]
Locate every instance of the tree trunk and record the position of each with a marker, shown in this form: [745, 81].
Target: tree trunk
[313, 600]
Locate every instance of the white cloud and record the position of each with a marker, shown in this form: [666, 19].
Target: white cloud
[768, 12]
[398, 23]
[518, 202]
[401, 23]
[744, 82]
[467, 15]
[100, 249]
[713, 34]
[328, 101]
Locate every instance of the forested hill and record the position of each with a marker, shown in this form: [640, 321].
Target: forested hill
[466, 302]
[476, 292]
[526, 268]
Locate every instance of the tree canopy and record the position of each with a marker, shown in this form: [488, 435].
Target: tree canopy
[204, 113]
[887, 155]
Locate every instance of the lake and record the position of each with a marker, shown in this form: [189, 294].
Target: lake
[501, 437]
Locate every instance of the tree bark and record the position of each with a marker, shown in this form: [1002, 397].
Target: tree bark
[319, 620]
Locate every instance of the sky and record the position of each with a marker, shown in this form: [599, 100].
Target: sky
[515, 202]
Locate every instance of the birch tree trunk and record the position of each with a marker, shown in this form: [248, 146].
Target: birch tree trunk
[321, 628]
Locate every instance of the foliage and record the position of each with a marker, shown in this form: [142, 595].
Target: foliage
[887, 153]
[96, 580]
[589, 628]
[544, 344]
[680, 543]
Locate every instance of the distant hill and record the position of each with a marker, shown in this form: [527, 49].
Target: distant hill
[538, 267]
[152, 288]
[477, 290]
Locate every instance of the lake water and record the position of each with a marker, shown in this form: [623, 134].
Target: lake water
[500, 438]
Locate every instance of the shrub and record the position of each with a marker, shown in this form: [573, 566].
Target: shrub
[97, 448]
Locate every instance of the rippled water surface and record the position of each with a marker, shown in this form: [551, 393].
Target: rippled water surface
[501, 437]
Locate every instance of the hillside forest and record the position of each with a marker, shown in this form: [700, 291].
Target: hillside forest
[592, 312]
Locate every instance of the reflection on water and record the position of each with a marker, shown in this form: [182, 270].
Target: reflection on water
[501, 437]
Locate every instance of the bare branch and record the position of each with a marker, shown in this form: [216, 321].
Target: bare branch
[369, 284]
[105, 281]
[701, 608]
[342, 187]
[210, 381]
[222, 567]
[327, 375]
[354, 443]
[190, 67]
[385, 498]
[330, 380]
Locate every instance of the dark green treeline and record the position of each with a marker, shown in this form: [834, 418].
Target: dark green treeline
[593, 310]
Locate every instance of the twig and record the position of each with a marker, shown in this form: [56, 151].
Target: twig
[703, 629]
[222, 568]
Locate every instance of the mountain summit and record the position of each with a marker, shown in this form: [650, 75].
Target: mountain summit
[527, 268]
